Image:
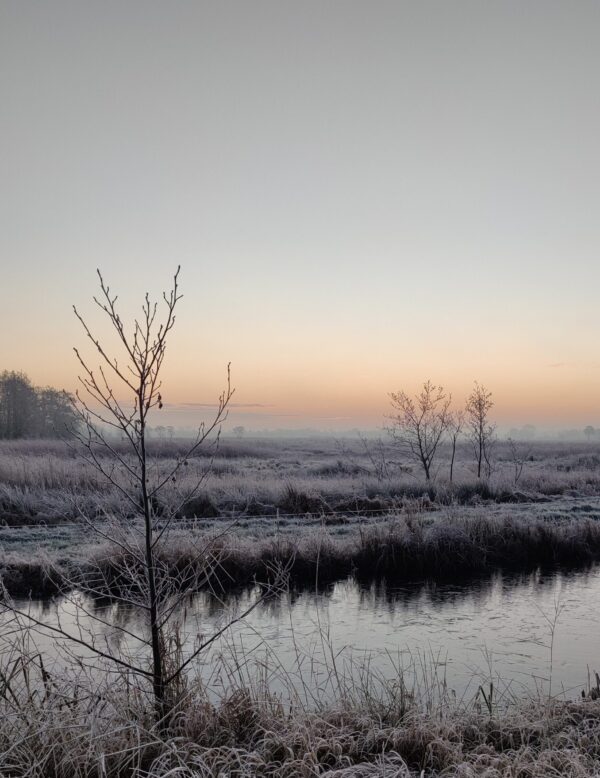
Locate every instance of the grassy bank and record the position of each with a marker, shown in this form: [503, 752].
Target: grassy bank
[63, 727]
[400, 549]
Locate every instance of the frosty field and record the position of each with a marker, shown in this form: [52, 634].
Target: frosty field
[424, 627]
[338, 495]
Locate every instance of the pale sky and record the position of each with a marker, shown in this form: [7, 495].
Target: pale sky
[362, 195]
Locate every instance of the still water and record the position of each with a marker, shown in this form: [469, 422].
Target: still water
[522, 633]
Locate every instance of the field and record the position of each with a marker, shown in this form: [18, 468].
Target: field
[325, 510]
[352, 504]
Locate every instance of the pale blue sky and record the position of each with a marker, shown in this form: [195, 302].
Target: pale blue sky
[361, 194]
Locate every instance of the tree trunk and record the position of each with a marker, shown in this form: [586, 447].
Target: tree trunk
[158, 685]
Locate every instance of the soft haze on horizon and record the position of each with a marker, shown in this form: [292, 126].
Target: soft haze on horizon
[362, 195]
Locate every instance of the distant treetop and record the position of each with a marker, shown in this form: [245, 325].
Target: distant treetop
[28, 411]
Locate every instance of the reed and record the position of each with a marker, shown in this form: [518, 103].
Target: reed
[401, 548]
[72, 724]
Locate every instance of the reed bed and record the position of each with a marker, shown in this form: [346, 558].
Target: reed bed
[72, 725]
[399, 549]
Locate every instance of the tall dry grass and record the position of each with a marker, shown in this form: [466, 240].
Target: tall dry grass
[44, 481]
[401, 548]
[73, 724]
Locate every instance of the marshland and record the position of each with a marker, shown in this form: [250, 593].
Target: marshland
[334, 507]
[432, 626]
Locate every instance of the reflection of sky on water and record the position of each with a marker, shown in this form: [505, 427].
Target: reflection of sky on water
[499, 628]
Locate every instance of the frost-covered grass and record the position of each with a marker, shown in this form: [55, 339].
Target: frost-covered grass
[45, 480]
[301, 499]
[400, 548]
[324, 513]
[72, 724]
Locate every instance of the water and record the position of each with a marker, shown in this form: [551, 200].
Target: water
[523, 633]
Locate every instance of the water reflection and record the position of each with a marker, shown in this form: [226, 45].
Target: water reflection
[463, 635]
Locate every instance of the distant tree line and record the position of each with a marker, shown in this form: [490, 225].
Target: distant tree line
[28, 411]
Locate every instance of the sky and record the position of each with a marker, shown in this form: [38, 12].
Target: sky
[361, 195]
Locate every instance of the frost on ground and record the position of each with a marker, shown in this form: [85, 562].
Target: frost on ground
[316, 507]
[268, 500]
[67, 726]
[45, 481]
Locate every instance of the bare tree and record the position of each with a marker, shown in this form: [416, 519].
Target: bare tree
[138, 574]
[419, 423]
[519, 454]
[481, 430]
[381, 467]
[455, 428]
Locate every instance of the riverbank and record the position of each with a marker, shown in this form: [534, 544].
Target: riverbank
[397, 549]
[71, 730]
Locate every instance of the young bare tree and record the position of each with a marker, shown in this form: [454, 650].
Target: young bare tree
[114, 404]
[419, 423]
[519, 454]
[455, 428]
[481, 431]
[376, 454]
